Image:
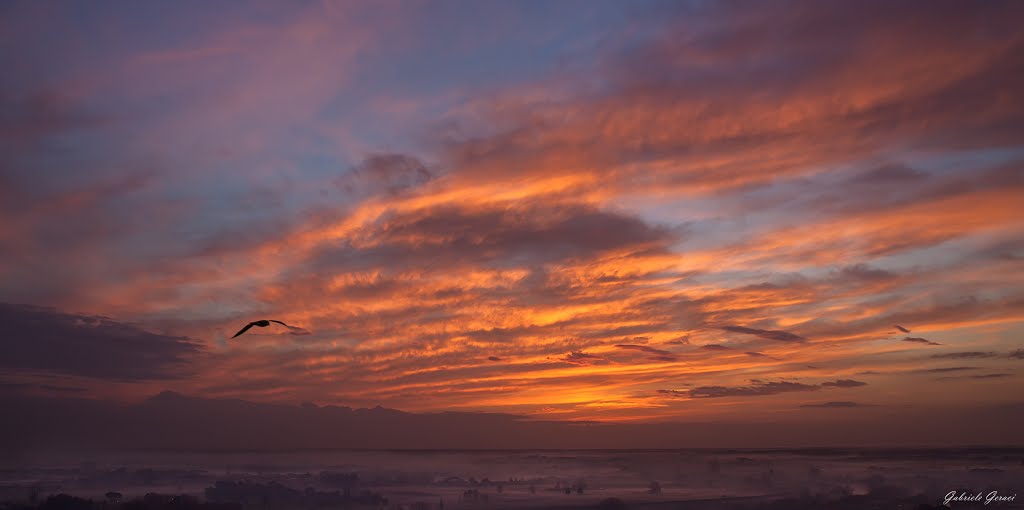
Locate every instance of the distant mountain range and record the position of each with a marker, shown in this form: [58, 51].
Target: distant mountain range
[173, 421]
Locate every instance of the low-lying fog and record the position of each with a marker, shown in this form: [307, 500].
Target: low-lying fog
[855, 478]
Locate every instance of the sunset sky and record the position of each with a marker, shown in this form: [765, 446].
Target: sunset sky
[571, 210]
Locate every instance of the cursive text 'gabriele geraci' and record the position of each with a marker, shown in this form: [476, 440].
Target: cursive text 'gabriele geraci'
[966, 497]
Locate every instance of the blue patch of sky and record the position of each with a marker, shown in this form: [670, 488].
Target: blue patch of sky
[946, 162]
[467, 50]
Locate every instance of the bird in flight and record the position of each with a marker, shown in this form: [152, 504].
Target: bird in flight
[262, 324]
[901, 328]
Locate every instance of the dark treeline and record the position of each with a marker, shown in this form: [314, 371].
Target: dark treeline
[224, 495]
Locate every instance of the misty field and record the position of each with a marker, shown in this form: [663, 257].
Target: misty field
[714, 479]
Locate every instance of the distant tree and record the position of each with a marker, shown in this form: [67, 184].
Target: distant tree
[580, 485]
[66, 502]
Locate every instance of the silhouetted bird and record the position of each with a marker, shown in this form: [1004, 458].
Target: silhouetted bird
[901, 328]
[260, 324]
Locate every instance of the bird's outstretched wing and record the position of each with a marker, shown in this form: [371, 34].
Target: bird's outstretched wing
[901, 328]
[246, 328]
[281, 323]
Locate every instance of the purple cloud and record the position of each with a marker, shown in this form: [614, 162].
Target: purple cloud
[768, 334]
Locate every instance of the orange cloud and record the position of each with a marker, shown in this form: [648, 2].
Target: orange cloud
[778, 203]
